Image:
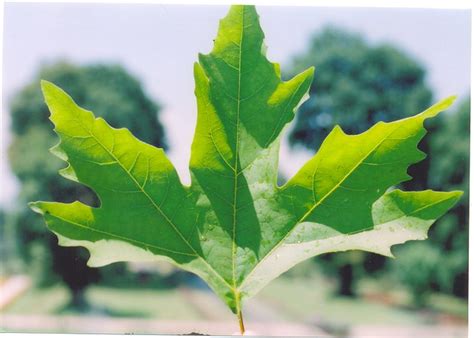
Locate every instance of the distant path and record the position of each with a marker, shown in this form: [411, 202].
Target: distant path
[258, 315]
[12, 288]
[104, 325]
[432, 331]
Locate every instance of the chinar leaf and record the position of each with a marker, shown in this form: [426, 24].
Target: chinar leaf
[234, 226]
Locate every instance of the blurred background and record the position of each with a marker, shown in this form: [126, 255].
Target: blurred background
[132, 64]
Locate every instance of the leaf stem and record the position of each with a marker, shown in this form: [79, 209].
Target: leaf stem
[241, 322]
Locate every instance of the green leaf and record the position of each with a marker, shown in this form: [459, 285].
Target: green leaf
[234, 227]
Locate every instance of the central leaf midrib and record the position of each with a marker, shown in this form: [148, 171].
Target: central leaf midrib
[236, 163]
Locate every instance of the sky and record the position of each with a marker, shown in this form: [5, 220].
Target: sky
[159, 43]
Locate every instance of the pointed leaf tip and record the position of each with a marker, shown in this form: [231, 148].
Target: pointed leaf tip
[438, 107]
[457, 194]
[241, 7]
[447, 102]
[36, 207]
[50, 91]
[47, 86]
[309, 73]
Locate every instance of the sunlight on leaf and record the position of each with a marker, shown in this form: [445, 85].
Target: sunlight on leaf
[233, 226]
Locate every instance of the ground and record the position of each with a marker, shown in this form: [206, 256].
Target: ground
[298, 304]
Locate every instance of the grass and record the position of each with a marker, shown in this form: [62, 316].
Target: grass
[116, 302]
[300, 299]
[448, 305]
[162, 304]
[437, 302]
[312, 299]
[309, 299]
[39, 301]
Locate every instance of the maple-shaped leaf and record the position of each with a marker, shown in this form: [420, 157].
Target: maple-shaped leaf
[234, 226]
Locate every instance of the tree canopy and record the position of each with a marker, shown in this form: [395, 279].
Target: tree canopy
[113, 93]
[356, 85]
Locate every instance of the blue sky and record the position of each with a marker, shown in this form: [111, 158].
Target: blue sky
[159, 43]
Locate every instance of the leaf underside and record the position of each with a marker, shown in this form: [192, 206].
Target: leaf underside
[233, 226]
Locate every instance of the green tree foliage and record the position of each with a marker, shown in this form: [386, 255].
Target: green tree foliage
[356, 85]
[233, 226]
[447, 266]
[452, 138]
[110, 91]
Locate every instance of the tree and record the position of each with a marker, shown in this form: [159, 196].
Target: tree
[111, 92]
[452, 234]
[356, 85]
